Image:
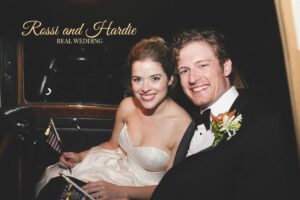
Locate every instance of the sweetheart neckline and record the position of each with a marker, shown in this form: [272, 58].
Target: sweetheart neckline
[127, 136]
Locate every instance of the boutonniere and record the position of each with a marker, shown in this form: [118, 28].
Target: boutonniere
[225, 125]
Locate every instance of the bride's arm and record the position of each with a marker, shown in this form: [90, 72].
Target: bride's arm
[123, 109]
[111, 191]
[138, 192]
[70, 159]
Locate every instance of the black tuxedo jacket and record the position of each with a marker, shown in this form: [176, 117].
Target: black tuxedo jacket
[259, 162]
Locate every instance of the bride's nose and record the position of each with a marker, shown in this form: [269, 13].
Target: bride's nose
[146, 87]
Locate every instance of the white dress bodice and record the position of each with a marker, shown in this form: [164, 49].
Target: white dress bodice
[147, 157]
[127, 166]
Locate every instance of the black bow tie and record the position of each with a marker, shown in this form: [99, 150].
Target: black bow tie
[203, 118]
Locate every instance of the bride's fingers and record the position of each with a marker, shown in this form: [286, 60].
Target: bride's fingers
[63, 165]
[96, 195]
[70, 164]
[92, 189]
[90, 185]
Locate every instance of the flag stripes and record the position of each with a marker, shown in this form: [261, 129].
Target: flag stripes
[53, 138]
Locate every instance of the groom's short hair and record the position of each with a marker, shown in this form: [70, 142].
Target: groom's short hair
[213, 38]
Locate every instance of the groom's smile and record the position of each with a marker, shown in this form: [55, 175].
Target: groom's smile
[202, 77]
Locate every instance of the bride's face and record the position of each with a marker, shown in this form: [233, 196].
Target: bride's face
[149, 83]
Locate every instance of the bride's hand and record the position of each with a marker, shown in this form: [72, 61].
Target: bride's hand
[105, 191]
[70, 159]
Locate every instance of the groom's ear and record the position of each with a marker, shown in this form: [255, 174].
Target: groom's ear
[227, 67]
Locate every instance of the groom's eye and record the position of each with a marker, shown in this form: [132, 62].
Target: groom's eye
[202, 65]
[182, 71]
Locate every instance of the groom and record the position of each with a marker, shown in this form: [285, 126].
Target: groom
[248, 158]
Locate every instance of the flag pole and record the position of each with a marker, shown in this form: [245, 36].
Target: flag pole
[54, 128]
[76, 186]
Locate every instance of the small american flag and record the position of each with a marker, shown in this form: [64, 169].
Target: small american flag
[53, 138]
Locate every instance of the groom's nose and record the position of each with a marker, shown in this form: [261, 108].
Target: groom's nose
[193, 76]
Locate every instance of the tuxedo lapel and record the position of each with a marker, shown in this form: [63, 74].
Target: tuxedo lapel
[185, 143]
[238, 105]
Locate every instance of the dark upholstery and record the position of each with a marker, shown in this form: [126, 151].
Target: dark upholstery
[27, 153]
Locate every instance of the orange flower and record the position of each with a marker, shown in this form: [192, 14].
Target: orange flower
[225, 125]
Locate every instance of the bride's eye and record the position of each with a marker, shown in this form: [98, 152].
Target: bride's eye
[136, 80]
[155, 78]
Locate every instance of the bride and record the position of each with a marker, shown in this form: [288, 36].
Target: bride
[147, 131]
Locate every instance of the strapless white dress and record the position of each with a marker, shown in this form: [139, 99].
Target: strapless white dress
[139, 166]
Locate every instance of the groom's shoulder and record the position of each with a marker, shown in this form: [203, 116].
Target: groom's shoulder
[258, 99]
[259, 104]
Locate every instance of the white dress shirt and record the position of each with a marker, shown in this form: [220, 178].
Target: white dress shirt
[203, 138]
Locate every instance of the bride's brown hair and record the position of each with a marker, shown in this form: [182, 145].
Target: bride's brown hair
[154, 48]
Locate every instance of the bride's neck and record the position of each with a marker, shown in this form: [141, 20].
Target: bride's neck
[158, 109]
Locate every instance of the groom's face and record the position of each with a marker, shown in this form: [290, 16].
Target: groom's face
[202, 77]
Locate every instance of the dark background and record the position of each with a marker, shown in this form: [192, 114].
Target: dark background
[251, 28]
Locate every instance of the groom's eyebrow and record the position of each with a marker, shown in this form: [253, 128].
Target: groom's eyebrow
[155, 75]
[202, 60]
[182, 67]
